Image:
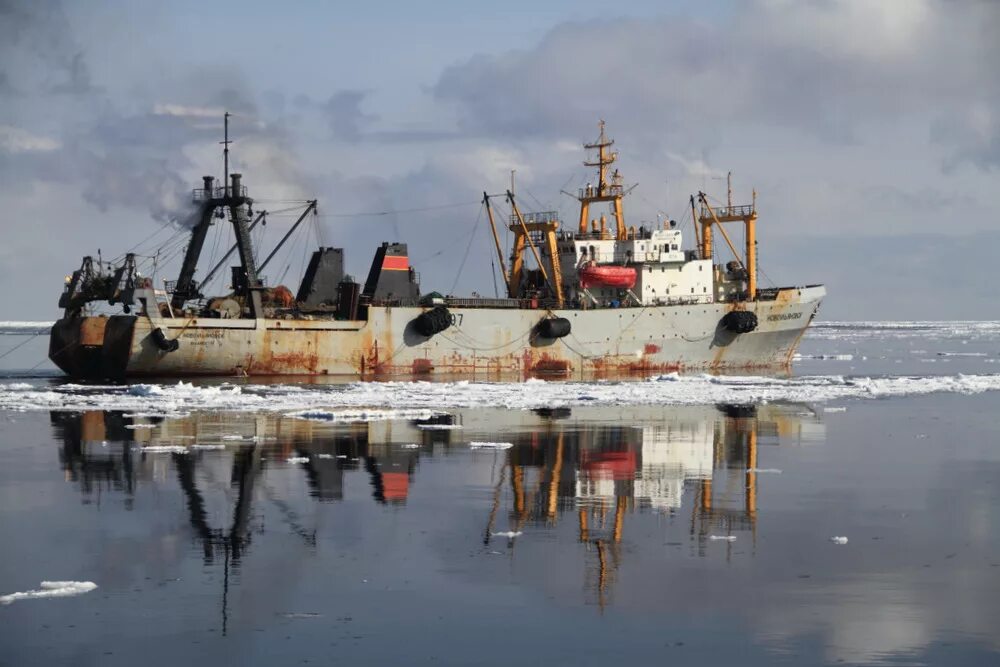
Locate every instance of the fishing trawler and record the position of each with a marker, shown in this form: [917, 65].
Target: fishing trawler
[599, 300]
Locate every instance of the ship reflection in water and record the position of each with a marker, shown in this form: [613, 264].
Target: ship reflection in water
[691, 533]
[696, 466]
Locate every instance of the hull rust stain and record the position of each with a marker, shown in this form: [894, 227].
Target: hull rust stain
[488, 342]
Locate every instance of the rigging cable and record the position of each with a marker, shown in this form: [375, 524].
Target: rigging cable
[393, 212]
[472, 237]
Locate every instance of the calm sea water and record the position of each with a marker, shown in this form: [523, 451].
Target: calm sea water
[670, 520]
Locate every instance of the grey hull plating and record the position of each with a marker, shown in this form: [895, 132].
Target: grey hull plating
[480, 342]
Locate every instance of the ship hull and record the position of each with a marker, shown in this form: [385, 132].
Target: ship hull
[481, 342]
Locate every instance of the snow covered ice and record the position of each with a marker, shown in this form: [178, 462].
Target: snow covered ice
[416, 400]
[51, 589]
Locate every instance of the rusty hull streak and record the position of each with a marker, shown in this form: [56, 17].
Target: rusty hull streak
[375, 349]
[92, 331]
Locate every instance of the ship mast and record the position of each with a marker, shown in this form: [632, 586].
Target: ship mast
[233, 195]
[225, 148]
[612, 191]
[711, 218]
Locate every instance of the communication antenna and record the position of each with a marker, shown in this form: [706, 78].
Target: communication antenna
[225, 150]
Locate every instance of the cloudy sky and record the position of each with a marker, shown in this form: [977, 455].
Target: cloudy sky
[871, 130]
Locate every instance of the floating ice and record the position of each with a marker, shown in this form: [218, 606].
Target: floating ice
[723, 538]
[962, 330]
[237, 437]
[511, 534]
[835, 409]
[18, 386]
[164, 449]
[362, 415]
[408, 398]
[15, 328]
[490, 445]
[410, 445]
[297, 459]
[764, 470]
[324, 456]
[439, 427]
[208, 447]
[839, 539]
[51, 589]
[135, 427]
[825, 357]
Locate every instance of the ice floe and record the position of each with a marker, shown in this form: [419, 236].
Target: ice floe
[839, 539]
[405, 399]
[722, 538]
[16, 328]
[775, 471]
[164, 449]
[511, 534]
[827, 357]
[963, 330]
[490, 445]
[362, 415]
[297, 459]
[51, 589]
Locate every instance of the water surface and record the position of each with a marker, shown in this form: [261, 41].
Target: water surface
[681, 520]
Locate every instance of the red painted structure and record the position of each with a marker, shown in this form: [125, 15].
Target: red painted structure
[623, 277]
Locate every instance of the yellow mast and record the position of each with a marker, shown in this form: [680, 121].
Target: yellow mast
[745, 214]
[496, 239]
[612, 191]
[522, 236]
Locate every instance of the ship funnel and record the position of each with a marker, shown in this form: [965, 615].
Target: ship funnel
[208, 180]
[235, 192]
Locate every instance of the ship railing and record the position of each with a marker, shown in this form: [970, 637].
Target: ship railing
[608, 235]
[729, 211]
[199, 195]
[536, 217]
[593, 191]
[481, 302]
[519, 304]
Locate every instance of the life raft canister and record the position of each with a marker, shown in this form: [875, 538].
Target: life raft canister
[553, 327]
[740, 321]
[433, 321]
[622, 277]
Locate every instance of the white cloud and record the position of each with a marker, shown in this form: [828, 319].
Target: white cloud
[187, 111]
[18, 140]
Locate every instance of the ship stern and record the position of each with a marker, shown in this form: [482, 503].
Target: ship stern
[92, 348]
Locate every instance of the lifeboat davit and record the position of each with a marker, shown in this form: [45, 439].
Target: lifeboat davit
[623, 277]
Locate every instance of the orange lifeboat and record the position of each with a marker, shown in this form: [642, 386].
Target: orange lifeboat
[623, 277]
